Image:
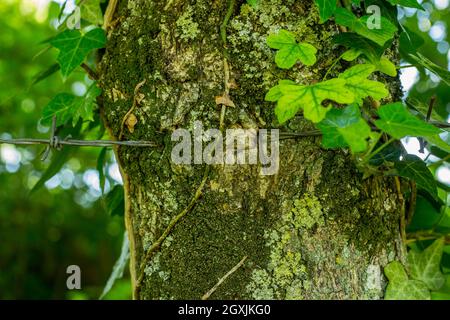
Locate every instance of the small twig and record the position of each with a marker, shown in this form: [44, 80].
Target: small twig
[221, 280]
[427, 119]
[430, 108]
[91, 73]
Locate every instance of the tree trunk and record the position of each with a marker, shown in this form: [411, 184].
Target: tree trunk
[314, 230]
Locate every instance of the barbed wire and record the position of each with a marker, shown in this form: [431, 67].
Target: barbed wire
[55, 142]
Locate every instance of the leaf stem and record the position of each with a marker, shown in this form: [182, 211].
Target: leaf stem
[332, 66]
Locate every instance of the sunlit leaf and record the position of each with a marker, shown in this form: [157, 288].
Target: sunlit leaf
[289, 51]
[310, 98]
[361, 87]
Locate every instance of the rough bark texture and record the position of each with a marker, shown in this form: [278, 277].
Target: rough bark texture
[315, 230]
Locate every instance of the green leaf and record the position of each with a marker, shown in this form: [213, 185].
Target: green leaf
[74, 47]
[115, 203]
[361, 87]
[84, 108]
[409, 42]
[91, 12]
[400, 287]
[310, 98]
[398, 122]
[101, 168]
[345, 127]
[61, 107]
[407, 3]
[326, 9]
[289, 51]
[66, 107]
[414, 168]
[439, 143]
[425, 265]
[395, 272]
[390, 153]
[387, 67]
[351, 54]
[430, 65]
[369, 48]
[380, 36]
[253, 3]
[274, 93]
[425, 215]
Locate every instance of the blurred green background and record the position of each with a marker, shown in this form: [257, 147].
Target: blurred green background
[67, 221]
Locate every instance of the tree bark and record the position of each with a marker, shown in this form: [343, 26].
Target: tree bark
[315, 230]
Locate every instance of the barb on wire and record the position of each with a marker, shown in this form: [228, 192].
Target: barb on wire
[57, 143]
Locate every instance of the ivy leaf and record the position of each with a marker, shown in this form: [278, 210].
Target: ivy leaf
[425, 265]
[361, 87]
[351, 54]
[413, 168]
[91, 12]
[439, 142]
[345, 127]
[425, 217]
[409, 42]
[60, 106]
[380, 36]
[400, 287]
[115, 203]
[289, 51]
[407, 3]
[326, 9]
[66, 107]
[367, 47]
[84, 108]
[386, 66]
[74, 47]
[398, 122]
[274, 94]
[430, 65]
[310, 98]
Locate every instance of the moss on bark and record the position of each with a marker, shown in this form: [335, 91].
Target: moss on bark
[314, 230]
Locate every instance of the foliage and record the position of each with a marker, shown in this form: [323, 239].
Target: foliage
[346, 110]
[425, 276]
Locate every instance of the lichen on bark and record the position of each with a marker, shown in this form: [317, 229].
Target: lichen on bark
[314, 230]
